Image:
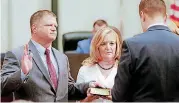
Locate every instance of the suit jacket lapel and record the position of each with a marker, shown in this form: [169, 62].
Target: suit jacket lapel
[61, 81]
[38, 61]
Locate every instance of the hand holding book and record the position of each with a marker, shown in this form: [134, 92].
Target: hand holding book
[100, 91]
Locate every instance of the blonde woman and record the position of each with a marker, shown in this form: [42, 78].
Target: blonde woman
[101, 66]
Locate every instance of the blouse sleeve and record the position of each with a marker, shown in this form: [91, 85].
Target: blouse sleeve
[81, 75]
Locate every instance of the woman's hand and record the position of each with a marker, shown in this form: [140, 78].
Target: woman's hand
[90, 97]
[107, 97]
[95, 84]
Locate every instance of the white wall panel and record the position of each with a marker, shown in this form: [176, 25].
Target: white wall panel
[16, 17]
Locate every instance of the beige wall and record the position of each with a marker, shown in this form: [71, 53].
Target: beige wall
[81, 14]
[4, 25]
[15, 21]
[130, 16]
[74, 16]
[0, 25]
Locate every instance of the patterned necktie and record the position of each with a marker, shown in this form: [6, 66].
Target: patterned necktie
[51, 69]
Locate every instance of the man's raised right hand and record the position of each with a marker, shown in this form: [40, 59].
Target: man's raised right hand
[26, 62]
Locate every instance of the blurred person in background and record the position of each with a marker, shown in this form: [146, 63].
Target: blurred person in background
[101, 66]
[148, 69]
[83, 46]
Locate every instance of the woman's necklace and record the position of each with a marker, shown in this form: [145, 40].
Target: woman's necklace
[105, 68]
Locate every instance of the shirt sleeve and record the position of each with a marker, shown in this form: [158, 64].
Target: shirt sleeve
[81, 75]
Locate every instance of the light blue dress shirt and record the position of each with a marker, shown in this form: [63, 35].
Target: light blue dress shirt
[41, 51]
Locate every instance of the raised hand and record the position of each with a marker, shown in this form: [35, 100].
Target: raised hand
[26, 62]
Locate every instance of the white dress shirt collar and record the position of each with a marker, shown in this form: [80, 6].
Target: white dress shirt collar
[160, 23]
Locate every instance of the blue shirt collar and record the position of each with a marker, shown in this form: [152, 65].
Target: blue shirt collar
[40, 48]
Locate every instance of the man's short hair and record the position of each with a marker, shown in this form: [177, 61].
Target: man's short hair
[152, 7]
[100, 23]
[39, 15]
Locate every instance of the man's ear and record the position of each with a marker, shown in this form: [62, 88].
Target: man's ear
[165, 18]
[142, 15]
[34, 28]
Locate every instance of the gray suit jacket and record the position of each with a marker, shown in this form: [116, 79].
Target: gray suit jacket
[37, 85]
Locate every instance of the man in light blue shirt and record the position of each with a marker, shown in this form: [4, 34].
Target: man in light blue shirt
[37, 71]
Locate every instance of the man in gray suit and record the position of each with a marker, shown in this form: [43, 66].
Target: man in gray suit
[37, 71]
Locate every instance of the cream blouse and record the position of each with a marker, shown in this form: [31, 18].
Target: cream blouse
[93, 73]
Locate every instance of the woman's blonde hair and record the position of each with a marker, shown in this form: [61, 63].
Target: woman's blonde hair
[97, 40]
